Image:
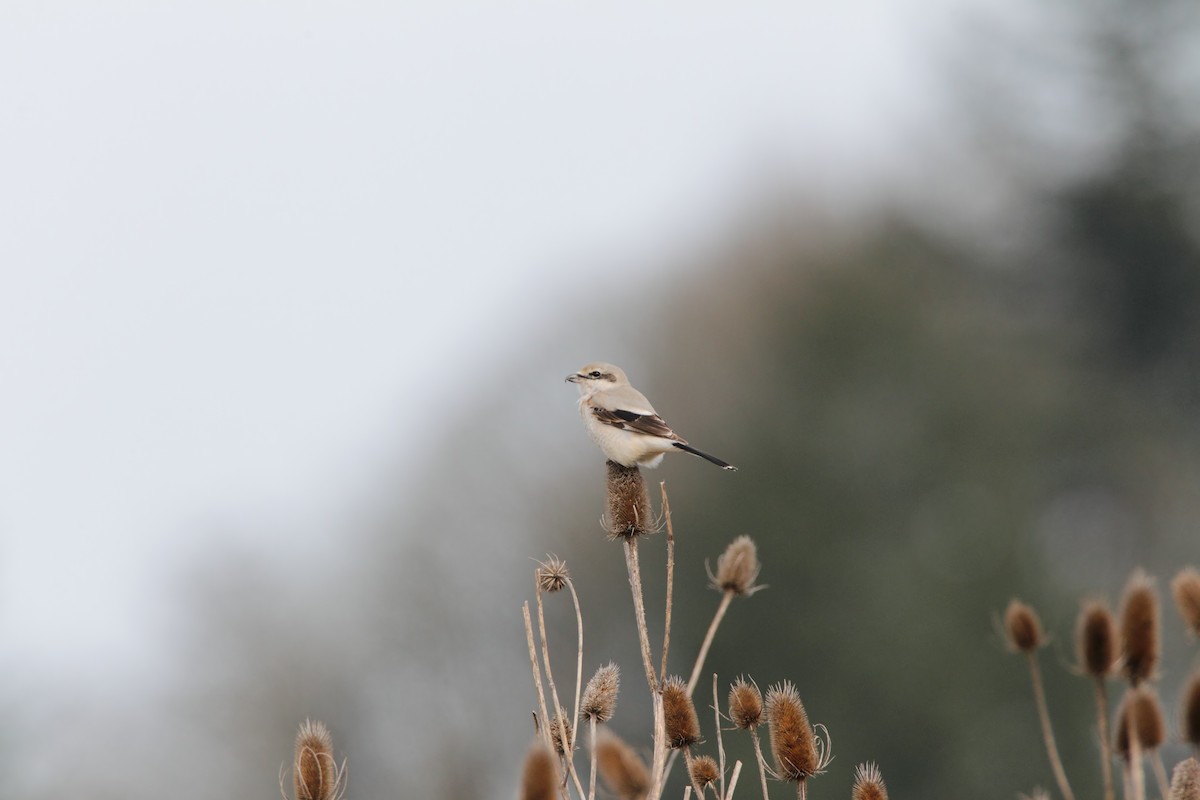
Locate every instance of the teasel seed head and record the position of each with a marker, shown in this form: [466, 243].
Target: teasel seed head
[1186, 590]
[745, 704]
[557, 726]
[623, 771]
[629, 511]
[868, 783]
[552, 574]
[1185, 782]
[1190, 711]
[798, 752]
[1139, 629]
[1022, 627]
[704, 771]
[1141, 708]
[679, 713]
[1097, 640]
[738, 567]
[539, 776]
[315, 773]
[600, 695]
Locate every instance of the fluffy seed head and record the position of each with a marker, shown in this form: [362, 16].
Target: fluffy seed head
[1190, 724]
[704, 770]
[745, 704]
[315, 775]
[1186, 590]
[682, 724]
[793, 743]
[629, 510]
[1022, 627]
[539, 776]
[557, 726]
[600, 696]
[738, 567]
[1141, 714]
[868, 783]
[623, 772]
[1185, 783]
[552, 574]
[1139, 629]
[1096, 639]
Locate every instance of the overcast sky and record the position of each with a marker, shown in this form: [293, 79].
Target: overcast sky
[240, 242]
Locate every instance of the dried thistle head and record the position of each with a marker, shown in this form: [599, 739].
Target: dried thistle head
[1190, 711]
[1022, 627]
[1096, 639]
[738, 567]
[552, 574]
[798, 752]
[1141, 715]
[1186, 590]
[704, 771]
[868, 783]
[629, 511]
[558, 726]
[315, 773]
[1139, 629]
[600, 695]
[1185, 782]
[623, 772]
[745, 704]
[679, 714]
[539, 774]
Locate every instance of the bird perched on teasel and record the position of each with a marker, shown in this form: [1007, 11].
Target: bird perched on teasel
[622, 422]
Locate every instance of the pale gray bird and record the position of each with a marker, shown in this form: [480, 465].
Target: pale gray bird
[622, 422]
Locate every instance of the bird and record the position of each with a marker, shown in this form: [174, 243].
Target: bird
[623, 424]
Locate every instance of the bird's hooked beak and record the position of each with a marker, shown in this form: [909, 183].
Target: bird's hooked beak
[574, 377]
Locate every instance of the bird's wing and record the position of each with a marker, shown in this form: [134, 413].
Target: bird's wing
[649, 424]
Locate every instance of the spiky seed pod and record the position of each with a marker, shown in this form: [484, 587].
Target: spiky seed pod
[600, 695]
[629, 511]
[868, 783]
[1186, 590]
[793, 743]
[745, 704]
[557, 725]
[1142, 706]
[679, 713]
[738, 567]
[1139, 629]
[539, 776]
[315, 774]
[552, 574]
[1190, 711]
[623, 772]
[1022, 626]
[704, 771]
[1096, 639]
[1185, 783]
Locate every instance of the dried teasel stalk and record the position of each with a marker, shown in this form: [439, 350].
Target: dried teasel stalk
[679, 712]
[1185, 588]
[629, 511]
[799, 753]
[315, 773]
[1185, 783]
[868, 783]
[539, 774]
[1022, 627]
[1139, 629]
[623, 771]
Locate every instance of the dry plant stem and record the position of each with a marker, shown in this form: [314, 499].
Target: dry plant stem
[762, 765]
[592, 779]
[1160, 773]
[1137, 781]
[1105, 744]
[708, 640]
[666, 503]
[537, 677]
[578, 663]
[639, 613]
[801, 790]
[733, 779]
[1039, 697]
[559, 712]
[720, 744]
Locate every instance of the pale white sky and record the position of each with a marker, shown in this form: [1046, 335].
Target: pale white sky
[240, 242]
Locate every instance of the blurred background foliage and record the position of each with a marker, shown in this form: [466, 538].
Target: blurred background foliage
[934, 409]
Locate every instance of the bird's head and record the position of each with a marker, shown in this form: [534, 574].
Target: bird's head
[597, 376]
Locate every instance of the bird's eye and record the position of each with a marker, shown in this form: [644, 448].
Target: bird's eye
[594, 374]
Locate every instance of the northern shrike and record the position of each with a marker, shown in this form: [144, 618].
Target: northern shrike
[622, 422]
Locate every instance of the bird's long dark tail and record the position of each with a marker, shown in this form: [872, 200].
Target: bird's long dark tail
[687, 448]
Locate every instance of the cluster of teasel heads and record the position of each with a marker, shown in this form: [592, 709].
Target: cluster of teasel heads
[1125, 645]
[799, 749]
